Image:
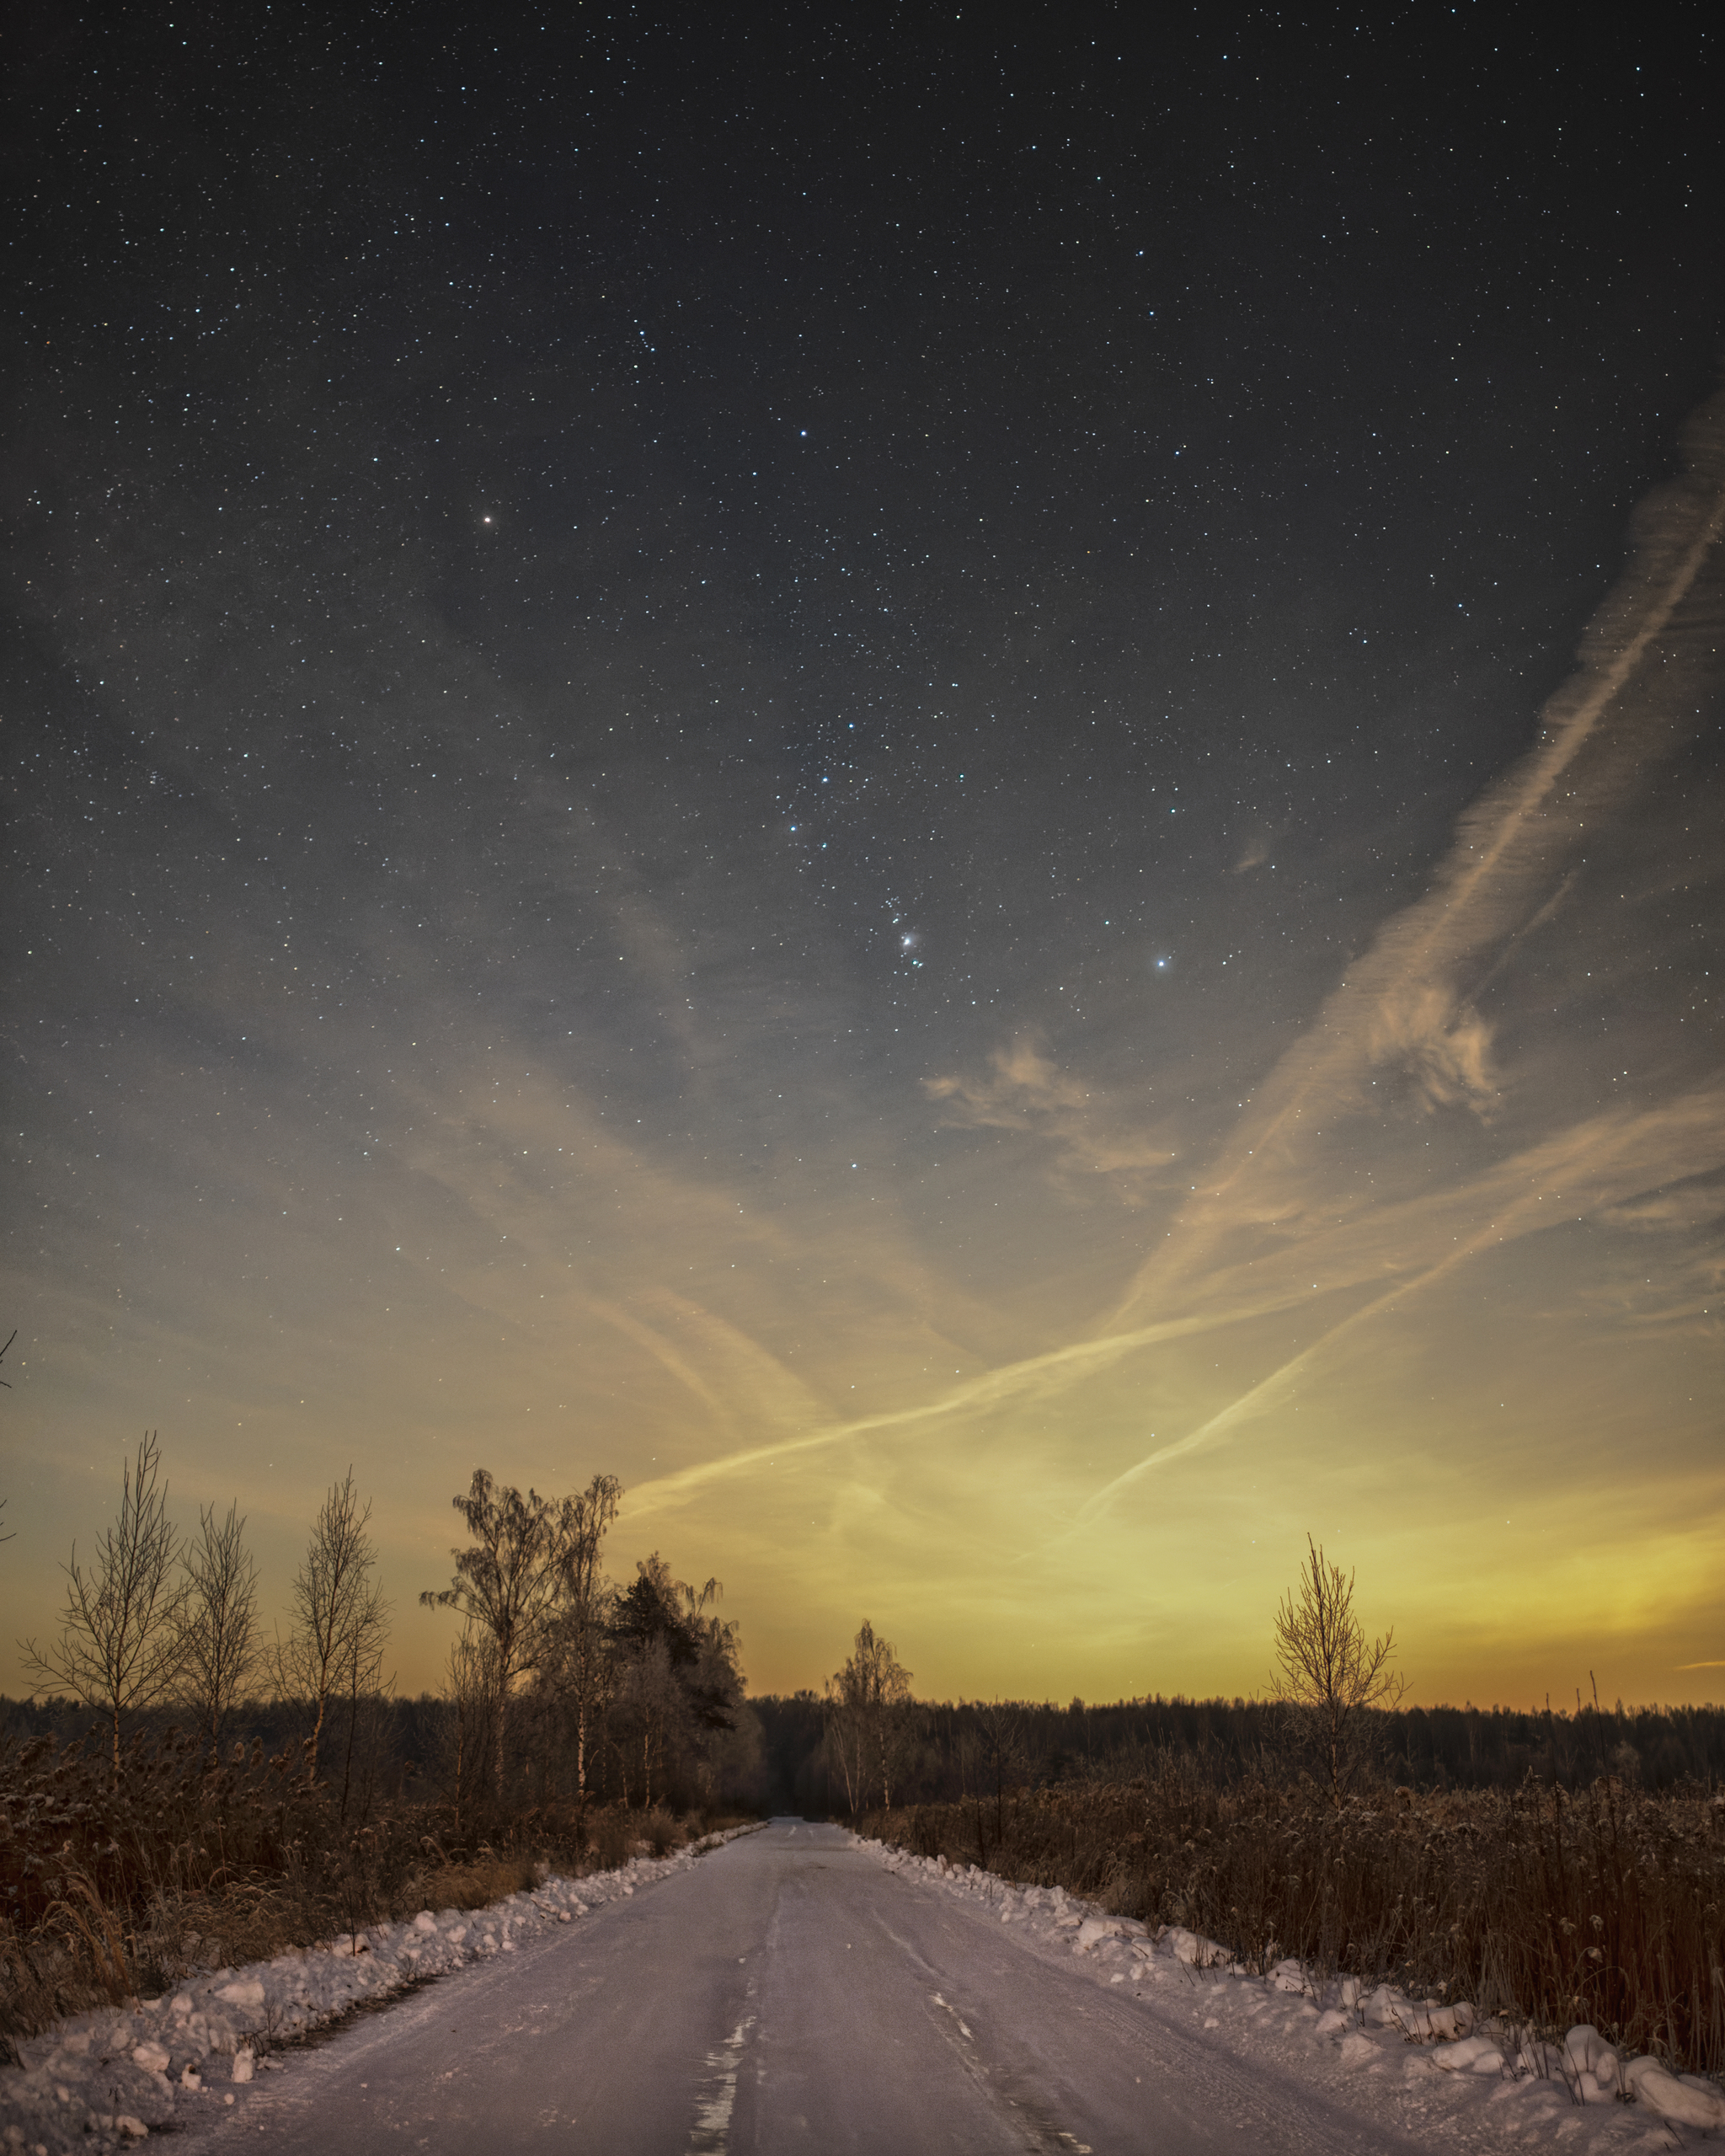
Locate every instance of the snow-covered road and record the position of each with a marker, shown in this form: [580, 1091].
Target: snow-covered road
[794, 1992]
[798, 1989]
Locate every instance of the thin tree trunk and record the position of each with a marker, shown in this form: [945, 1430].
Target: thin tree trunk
[347, 1764]
[581, 1775]
[502, 1721]
[461, 1748]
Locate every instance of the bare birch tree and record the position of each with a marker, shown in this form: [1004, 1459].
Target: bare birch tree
[366, 1693]
[505, 1581]
[118, 1649]
[581, 1655]
[470, 1687]
[340, 1620]
[219, 1638]
[648, 1707]
[1332, 1677]
[865, 1714]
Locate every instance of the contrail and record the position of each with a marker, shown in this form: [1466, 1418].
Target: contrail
[1603, 1161]
[1010, 1379]
[1238, 1410]
[1401, 993]
[1586, 1153]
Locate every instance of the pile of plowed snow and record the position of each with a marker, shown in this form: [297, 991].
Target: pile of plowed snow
[1362, 2026]
[107, 2078]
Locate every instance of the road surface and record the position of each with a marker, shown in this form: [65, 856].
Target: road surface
[789, 1993]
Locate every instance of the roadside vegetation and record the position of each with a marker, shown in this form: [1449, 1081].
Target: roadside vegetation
[1547, 1906]
[1559, 1888]
[183, 1792]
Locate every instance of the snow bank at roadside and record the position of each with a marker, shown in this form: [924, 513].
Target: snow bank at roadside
[107, 2078]
[1349, 2026]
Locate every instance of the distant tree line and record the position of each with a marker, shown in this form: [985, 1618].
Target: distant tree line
[1334, 1719]
[948, 1751]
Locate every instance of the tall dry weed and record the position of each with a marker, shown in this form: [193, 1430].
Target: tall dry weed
[1605, 1905]
[190, 1860]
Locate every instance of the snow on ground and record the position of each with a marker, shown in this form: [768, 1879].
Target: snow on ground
[1430, 2068]
[106, 2079]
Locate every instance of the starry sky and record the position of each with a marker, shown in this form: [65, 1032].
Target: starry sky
[949, 781]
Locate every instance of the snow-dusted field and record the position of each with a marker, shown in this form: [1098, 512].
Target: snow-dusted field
[804, 1989]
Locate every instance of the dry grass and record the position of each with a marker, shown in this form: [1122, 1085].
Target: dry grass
[1606, 1905]
[114, 1892]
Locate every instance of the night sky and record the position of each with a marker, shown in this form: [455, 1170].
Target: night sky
[951, 783]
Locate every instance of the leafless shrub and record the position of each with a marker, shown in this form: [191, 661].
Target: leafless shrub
[609, 1832]
[479, 1882]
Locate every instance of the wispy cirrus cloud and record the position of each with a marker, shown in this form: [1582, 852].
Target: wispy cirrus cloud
[1023, 1090]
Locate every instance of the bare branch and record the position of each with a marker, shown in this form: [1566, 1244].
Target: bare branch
[11, 1536]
